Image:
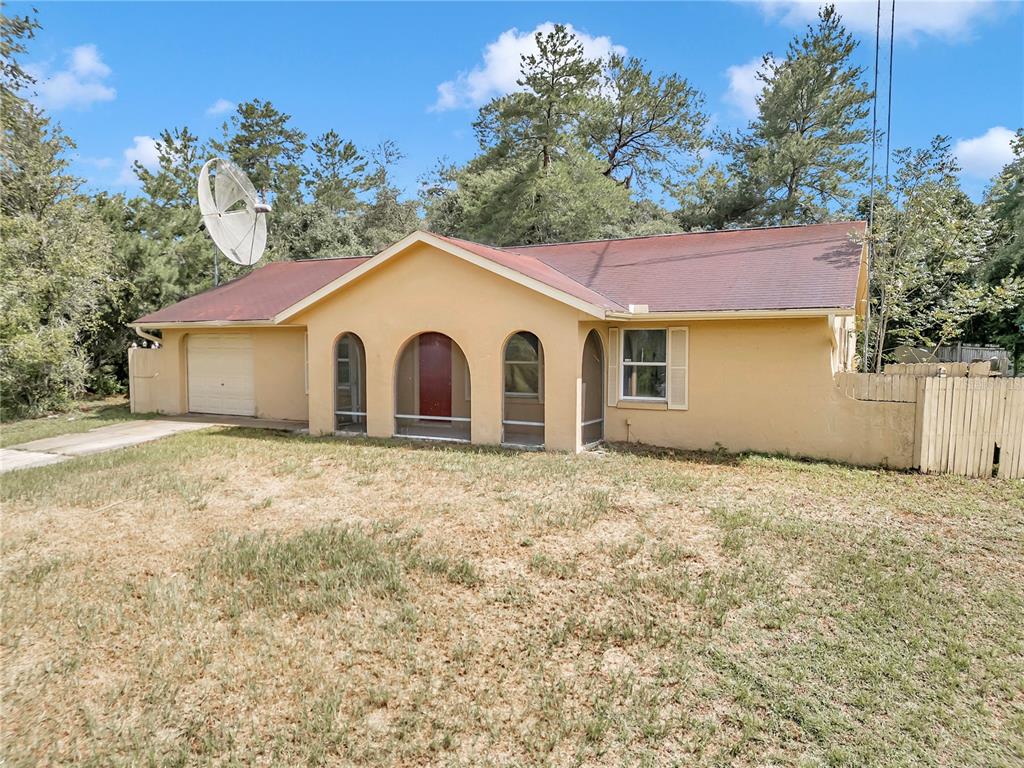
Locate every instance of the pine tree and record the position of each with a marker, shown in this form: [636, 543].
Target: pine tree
[539, 123]
[385, 219]
[644, 128]
[261, 140]
[803, 155]
[337, 174]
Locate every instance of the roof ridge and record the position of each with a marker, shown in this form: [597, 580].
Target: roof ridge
[678, 234]
[321, 258]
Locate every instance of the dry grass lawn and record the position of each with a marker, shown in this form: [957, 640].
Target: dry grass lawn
[237, 597]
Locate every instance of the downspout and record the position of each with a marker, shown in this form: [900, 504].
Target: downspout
[147, 336]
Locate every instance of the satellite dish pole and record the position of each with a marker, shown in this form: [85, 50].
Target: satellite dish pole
[233, 214]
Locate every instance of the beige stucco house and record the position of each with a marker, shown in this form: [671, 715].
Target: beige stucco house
[721, 339]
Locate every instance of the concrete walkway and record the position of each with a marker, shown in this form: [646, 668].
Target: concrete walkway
[51, 450]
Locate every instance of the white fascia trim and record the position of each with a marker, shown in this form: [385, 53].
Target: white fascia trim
[210, 324]
[751, 314]
[425, 237]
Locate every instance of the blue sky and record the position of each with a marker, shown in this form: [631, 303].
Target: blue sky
[115, 74]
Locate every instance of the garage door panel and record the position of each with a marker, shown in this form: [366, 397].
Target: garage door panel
[220, 374]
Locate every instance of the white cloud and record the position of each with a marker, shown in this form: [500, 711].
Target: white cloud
[79, 86]
[220, 106]
[86, 62]
[952, 20]
[744, 87]
[498, 72]
[143, 150]
[984, 156]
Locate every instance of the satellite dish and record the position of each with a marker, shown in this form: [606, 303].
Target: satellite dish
[232, 212]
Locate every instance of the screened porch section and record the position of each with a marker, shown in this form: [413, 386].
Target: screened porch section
[432, 390]
[350, 385]
[592, 406]
[523, 412]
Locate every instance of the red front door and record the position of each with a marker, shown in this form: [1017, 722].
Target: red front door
[435, 375]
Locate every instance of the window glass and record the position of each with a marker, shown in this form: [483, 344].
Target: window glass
[522, 378]
[646, 346]
[522, 365]
[523, 347]
[643, 381]
[643, 363]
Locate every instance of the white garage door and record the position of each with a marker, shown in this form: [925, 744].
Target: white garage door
[220, 374]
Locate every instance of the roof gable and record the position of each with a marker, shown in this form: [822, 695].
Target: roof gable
[522, 270]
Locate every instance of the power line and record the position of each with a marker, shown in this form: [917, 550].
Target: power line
[871, 193]
[888, 111]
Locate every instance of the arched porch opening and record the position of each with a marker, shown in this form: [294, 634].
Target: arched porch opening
[592, 407]
[432, 389]
[349, 384]
[522, 420]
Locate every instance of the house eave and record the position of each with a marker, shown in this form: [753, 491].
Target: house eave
[212, 324]
[743, 314]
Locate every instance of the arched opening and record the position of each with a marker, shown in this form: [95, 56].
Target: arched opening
[432, 389]
[592, 407]
[349, 384]
[522, 420]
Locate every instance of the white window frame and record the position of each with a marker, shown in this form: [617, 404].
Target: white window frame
[623, 364]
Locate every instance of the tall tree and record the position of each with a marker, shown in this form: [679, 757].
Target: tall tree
[55, 253]
[927, 241]
[1004, 203]
[386, 218]
[262, 141]
[539, 123]
[644, 127]
[337, 173]
[801, 158]
[181, 259]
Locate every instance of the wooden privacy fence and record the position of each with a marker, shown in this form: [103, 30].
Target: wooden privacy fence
[878, 387]
[982, 368]
[927, 369]
[964, 425]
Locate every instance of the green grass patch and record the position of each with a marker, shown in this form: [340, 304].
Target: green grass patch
[83, 417]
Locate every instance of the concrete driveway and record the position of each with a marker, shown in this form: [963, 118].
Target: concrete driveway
[51, 450]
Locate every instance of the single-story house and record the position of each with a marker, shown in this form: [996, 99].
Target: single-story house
[700, 340]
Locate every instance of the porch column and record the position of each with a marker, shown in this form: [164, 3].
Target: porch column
[562, 385]
[382, 352]
[488, 389]
[320, 380]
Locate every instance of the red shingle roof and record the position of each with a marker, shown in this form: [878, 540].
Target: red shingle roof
[805, 267]
[259, 295]
[527, 264]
